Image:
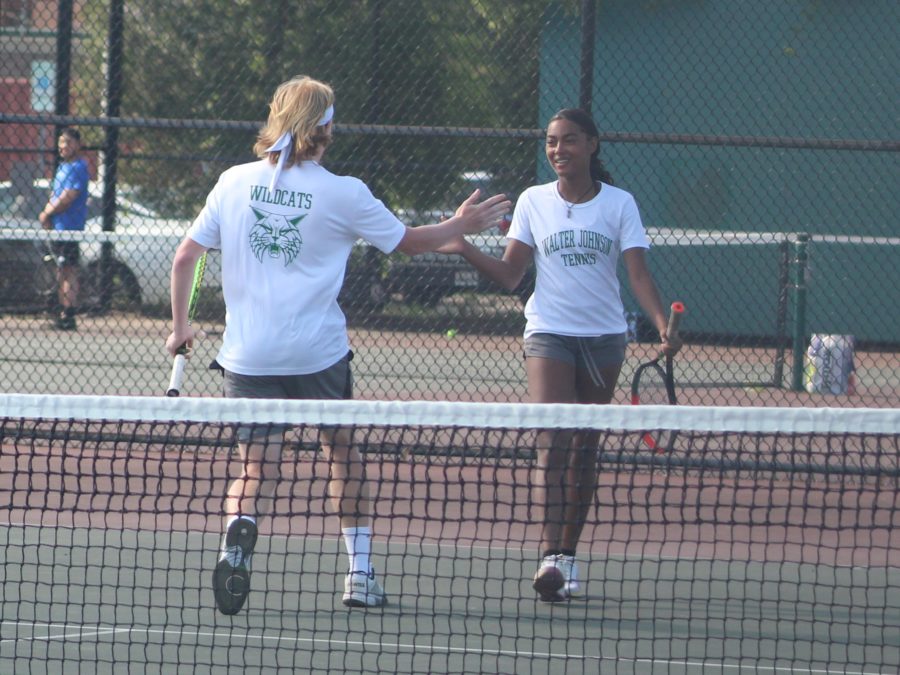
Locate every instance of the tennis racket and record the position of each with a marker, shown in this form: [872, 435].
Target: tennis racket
[654, 384]
[177, 377]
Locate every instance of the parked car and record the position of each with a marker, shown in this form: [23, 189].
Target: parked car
[429, 277]
[139, 261]
[140, 248]
[27, 283]
[366, 286]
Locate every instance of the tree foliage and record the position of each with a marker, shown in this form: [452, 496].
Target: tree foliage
[409, 63]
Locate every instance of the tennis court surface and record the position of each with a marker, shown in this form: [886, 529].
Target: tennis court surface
[761, 541]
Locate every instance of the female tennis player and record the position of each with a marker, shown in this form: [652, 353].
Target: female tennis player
[285, 226]
[574, 230]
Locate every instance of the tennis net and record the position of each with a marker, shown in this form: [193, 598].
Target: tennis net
[761, 539]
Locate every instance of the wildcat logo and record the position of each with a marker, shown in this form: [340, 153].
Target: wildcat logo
[275, 235]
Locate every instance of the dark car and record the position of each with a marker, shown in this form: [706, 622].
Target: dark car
[429, 277]
[365, 281]
[27, 281]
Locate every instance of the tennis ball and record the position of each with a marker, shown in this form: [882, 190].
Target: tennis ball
[451, 333]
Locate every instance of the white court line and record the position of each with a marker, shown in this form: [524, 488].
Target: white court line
[82, 631]
[429, 648]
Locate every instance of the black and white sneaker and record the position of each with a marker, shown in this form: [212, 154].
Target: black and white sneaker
[231, 578]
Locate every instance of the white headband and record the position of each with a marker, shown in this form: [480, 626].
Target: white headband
[283, 147]
[283, 144]
[327, 117]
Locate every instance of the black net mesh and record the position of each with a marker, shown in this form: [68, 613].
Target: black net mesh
[762, 540]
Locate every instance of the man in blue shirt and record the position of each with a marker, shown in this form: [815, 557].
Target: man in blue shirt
[67, 210]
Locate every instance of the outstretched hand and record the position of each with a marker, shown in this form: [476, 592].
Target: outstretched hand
[479, 216]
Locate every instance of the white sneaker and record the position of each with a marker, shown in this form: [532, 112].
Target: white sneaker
[557, 578]
[572, 586]
[551, 577]
[363, 590]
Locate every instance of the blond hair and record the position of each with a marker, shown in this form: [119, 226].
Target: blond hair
[298, 106]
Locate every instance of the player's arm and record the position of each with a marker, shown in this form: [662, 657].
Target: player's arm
[507, 271]
[647, 295]
[182, 277]
[471, 217]
[58, 204]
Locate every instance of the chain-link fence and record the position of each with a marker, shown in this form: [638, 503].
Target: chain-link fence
[758, 138]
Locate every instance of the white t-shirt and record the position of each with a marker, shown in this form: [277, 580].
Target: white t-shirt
[576, 291]
[283, 261]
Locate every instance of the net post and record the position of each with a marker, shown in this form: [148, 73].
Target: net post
[800, 264]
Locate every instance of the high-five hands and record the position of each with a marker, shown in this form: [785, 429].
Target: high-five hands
[479, 216]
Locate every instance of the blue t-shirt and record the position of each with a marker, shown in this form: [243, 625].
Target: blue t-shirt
[72, 176]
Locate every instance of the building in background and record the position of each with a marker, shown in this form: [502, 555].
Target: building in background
[28, 58]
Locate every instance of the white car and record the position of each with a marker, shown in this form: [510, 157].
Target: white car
[140, 257]
[140, 251]
[142, 247]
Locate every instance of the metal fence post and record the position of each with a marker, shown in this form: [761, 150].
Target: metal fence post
[588, 39]
[114, 60]
[799, 262]
[64, 29]
[781, 334]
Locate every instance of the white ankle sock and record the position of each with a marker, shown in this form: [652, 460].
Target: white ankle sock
[358, 541]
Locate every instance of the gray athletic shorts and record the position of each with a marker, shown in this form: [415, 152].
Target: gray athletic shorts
[587, 353]
[335, 382]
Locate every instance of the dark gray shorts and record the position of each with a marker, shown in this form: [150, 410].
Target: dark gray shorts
[67, 253]
[581, 352]
[335, 382]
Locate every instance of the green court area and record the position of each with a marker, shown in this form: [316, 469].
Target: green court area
[139, 601]
[757, 541]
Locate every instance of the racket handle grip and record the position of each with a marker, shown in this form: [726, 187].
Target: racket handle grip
[177, 377]
[677, 310]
